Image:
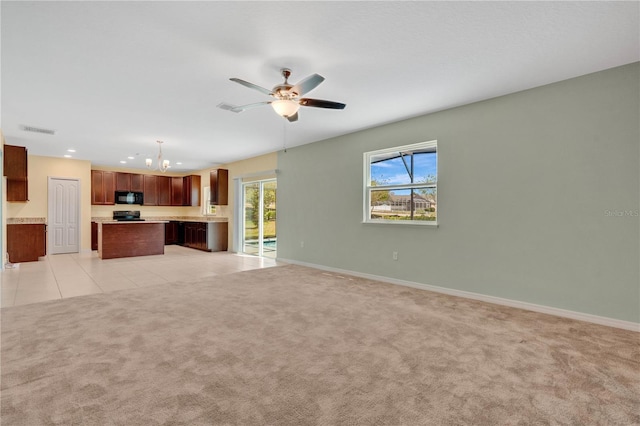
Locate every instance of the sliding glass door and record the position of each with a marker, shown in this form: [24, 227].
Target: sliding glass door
[259, 225]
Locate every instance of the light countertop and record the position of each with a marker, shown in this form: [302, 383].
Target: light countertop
[111, 222]
[26, 220]
[170, 218]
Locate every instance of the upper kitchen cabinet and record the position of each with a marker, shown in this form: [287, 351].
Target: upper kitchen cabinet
[150, 190]
[191, 190]
[103, 187]
[15, 169]
[177, 183]
[137, 183]
[219, 187]
[123, 181]
[129, 182]
[163, 185]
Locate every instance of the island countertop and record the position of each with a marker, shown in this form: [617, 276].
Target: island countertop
[111, 221]
[168, 219]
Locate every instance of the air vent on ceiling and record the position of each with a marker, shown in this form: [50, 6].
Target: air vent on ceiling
[38, 130]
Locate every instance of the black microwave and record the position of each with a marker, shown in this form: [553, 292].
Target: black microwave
[128, 197]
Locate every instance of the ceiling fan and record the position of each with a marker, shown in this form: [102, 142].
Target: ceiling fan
[287, 96]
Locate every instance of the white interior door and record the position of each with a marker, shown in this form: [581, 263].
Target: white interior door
[63, 224]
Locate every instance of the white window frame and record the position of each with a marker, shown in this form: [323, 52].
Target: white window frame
[208, 209]
[368, 188]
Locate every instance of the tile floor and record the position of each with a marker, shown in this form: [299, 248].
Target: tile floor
[67, 275]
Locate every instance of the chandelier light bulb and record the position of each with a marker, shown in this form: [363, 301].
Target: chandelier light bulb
[162, 165]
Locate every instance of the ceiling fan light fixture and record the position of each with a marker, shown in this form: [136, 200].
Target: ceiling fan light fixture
[285, 107]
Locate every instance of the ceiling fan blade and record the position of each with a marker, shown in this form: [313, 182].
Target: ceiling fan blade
[293, 118]
[249, 106]
[235, 108]
[319, 103]
[228, 107]
[252, 86]
[307, 85]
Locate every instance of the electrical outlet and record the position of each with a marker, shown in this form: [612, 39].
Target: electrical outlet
[301, 244]
[394, 255]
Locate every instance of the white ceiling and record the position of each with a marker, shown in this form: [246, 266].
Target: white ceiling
[111, 78]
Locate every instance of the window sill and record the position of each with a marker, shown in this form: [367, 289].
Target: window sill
[400, 222]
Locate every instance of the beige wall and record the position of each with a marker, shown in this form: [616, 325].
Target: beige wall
[39, 170]
[240, 169]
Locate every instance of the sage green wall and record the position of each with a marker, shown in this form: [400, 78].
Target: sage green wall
[530, 192]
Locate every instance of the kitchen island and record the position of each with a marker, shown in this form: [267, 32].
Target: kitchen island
[128, 239]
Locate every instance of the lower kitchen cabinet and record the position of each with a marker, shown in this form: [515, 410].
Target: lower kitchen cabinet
[208, 236]
[94, 235]
[170, 233]
[26, 242]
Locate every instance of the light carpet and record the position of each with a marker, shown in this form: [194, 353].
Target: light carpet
[291, 345]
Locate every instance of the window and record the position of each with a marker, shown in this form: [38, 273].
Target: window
[207, 207]
[401, 184]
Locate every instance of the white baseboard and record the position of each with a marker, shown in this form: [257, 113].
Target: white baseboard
[611, 322]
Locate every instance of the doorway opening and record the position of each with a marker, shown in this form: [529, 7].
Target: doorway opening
[259, 236]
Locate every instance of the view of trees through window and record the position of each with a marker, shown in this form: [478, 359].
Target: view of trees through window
[252, 210]
[259, 227]
[403, 184]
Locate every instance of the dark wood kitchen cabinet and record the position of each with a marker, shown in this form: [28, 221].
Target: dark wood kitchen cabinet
[191, 190]
[129, 182]
[207, 236]
[26, 242]
[195, 235]
[94, 235]
[170, 233]
[103, 187]
[137, 184]
[177, 184]
[15, 169]
[123, 181]
[163, 186]
[150, 190]
[219, 187]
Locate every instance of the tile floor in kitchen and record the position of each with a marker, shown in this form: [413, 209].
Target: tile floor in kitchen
[62, 276]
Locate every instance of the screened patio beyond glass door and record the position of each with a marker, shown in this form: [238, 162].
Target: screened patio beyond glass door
[259, 225]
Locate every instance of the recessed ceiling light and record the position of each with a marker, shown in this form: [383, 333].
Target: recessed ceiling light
[178, 163]
[130, 158]
[71, 150]
[123, 162]
[67, 156]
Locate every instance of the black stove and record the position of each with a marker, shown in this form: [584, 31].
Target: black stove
[127, 216]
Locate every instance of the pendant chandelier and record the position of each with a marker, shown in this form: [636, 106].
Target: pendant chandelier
[162, 165]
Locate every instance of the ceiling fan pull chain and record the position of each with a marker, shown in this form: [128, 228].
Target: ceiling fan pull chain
[284, 136]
